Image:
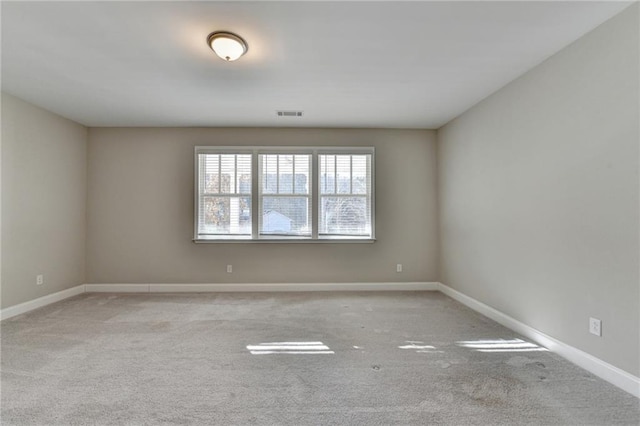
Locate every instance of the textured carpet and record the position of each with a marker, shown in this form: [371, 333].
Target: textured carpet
[287, 358]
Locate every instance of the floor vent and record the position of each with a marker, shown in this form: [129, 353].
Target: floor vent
[289, 113]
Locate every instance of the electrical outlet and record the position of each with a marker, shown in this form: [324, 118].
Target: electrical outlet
[39, 279]
[229, 269]
[399, 267]
[595, 326]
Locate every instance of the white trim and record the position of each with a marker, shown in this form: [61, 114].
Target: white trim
[291, 240]
[604, 370]
[116, 288]
[25, 307]
[259, 287]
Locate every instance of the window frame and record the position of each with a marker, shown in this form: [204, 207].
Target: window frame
[197, 182]
[256, 192]
[368, 196]
[262, 195]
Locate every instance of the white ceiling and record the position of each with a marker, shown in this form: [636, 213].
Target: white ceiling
[345, 64]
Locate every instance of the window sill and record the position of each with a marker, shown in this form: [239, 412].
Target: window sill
[287, 240]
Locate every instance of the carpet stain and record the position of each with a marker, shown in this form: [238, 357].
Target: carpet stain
[102, 302]
[161, 326]
[518, 361]
[527, 363]
[493, 391]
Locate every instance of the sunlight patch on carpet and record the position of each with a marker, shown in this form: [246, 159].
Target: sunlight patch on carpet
[294, 348]
[501, 345]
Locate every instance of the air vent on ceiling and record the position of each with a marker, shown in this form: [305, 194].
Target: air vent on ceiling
[289, 113]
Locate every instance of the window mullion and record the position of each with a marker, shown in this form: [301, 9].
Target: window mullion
[256, 199]
[315, 196]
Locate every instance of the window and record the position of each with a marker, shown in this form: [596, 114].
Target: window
[345, 195]
[284, 193]
[224, 195]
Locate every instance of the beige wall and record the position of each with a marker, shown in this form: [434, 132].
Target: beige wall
[538, 195]
[44, 158]
[140, 210]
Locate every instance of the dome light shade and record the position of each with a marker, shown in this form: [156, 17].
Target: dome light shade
[227, 46]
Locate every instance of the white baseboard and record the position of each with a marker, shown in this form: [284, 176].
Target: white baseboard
[116, 288]
[259, 287]
[606, 371]
[22, 308]
[25, 307]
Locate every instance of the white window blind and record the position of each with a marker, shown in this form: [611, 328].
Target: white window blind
[224, 195]
[285, 196]
[345, 195]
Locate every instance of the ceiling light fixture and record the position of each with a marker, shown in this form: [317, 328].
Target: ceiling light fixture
[226, 45]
